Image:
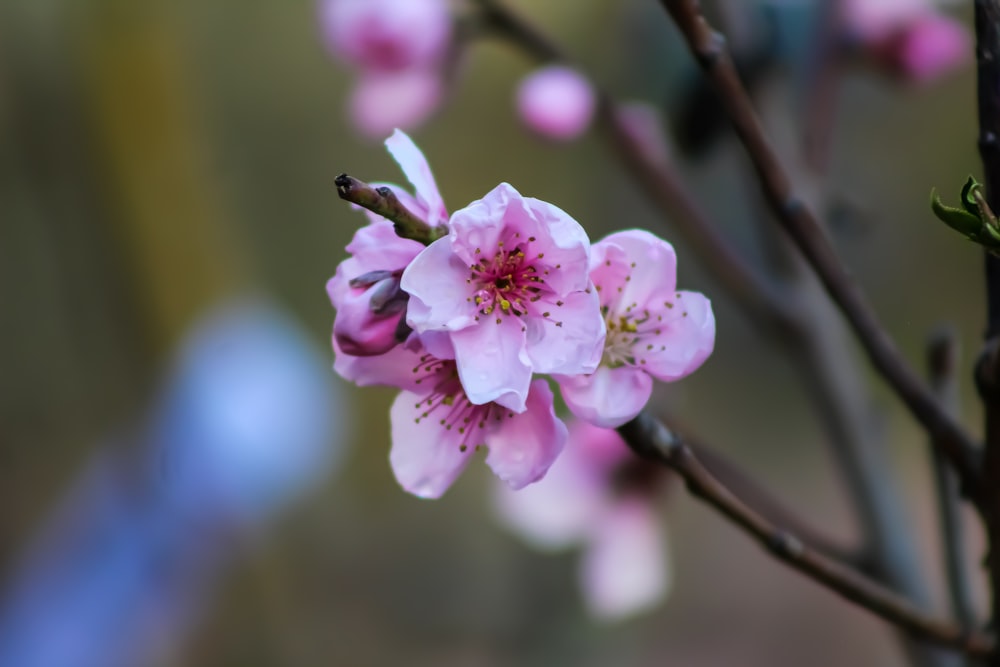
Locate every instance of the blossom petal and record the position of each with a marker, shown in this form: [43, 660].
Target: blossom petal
[425, 456]
[436, 281]
[608, 397]
[377, 247]
[549, 236]
[651, 265]
[571, 339]
[687, 338]
[558, 510]
[382, 101]
[413, 163]
[393, 369]
[492, 364]
[626, 570]
[525, 445]
[557, 102]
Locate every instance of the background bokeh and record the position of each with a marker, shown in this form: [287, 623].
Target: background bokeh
[159, 157]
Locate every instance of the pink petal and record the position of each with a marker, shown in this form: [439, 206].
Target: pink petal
[626, 570]
[386, 35]
[360, 332]
[934, 46]
[436, 281]
[688, 338]
[425, 456]
[557, 102]
[413, 163]
[525, 445]
[571, 339]
[492, 364]
[649, 265]
[382, 102]
[377, 247]
[559, 510]
[872, 20]
[609, 397]
[554, 512]
[394, 368]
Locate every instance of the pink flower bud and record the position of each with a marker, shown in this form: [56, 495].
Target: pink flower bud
[359, 330]
[931, 47]
[386, 35]
[556, 102]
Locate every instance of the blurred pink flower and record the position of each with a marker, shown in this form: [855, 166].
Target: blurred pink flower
[386, 35]
[381, 102]
[653, 330]
[592, 497]
[557, 102]
[910, 38]
[510, 286]
[932, 47]
[365, 288]
[397, 47]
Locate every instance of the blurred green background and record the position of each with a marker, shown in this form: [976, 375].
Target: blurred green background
[159, 155]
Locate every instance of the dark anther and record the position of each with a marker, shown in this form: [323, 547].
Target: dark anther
[343, 182]
[502, 283]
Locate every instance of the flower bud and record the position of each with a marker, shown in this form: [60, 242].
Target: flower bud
[556, 102]
[367, 318]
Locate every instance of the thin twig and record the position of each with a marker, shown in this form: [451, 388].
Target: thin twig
[383, 201]
[942, 360]
[761, 498]
[652, 440]
[708, 48]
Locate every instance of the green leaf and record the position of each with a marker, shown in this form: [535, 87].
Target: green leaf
[962, 221]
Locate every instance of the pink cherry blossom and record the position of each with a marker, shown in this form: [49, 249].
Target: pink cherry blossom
[600, 496]
[386, 35]
[365, 288]
[653, 330]
[557, 102]
[509, 284]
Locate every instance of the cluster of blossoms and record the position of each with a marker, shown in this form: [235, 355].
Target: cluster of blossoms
[511, 289]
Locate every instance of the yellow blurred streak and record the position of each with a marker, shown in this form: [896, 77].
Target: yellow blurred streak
[180, 250]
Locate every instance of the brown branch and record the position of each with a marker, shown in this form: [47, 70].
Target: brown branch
[762, 499]
[383, 201]
[708, 48]
[652, 440]
[942, 361]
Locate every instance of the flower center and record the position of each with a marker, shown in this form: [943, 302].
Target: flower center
[631, 336]
[450, 407]
[509, 281]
